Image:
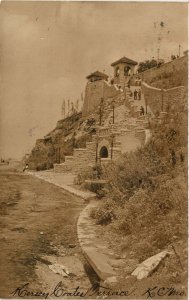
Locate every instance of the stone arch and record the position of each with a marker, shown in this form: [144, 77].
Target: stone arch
[104, 149]
[103, 152]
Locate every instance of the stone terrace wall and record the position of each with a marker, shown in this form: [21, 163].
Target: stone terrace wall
[161, 99]
[171, 66]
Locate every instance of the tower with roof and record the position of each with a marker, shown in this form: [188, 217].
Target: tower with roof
[123, 70]
[97, 76]
[97, 91]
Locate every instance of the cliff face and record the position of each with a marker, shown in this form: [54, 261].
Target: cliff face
[72, 132]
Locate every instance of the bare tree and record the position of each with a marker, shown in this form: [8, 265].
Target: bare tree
[82, 100]
[68, 105]
[72, 108]
[77, 105]
[63, 110]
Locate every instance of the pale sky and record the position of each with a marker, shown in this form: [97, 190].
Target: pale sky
[48, 49]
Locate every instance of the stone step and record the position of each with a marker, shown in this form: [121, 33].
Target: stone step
[90, 145]
[116, 149]
[69, 158]
[146, 125]
[132, 126]
[140, 133]
[79, 149]
[79, 152]
[125, 130]
[140, 121]
[142, 117]
[62, 167]
[115, 132]
[105, 160]
[139, 129]
[117, 144]
[94, 137]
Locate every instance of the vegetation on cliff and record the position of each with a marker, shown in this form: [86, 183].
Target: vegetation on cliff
[148, 64]
[168, 80]
[144, 208]
[69, 133]
[177, 76]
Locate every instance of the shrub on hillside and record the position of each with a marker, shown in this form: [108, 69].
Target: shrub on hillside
[91, 172]
[135, 170]
[146, 65]
[170, 79]
[143, 179]
[81, 141]
[84, 175]
[105, 213]
[89, 179]
[41, 167]
[95, 187]
[156, 211]
[134, 215]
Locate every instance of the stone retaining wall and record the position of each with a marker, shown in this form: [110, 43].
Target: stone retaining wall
[85, 157]
[163, 100]
[171, 66]
[96, 253]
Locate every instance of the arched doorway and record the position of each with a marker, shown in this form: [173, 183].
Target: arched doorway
[103, 152]
[127, 71]
[117, 71]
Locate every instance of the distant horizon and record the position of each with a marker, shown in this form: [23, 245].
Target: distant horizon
[48, 49]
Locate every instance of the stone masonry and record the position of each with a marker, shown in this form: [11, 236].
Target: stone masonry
[171, 66]
[95, 92]
[112, 137]
[85, 157]
[163, 100]
[123, 136]
[98, 88]
[124, 68]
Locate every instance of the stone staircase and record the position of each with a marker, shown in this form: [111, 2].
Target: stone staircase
[131, 128]
[79, 160]
[84, 157]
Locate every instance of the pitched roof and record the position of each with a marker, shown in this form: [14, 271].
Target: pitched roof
[124, 60]
[97, 74]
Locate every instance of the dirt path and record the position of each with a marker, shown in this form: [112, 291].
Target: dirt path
[38, 229]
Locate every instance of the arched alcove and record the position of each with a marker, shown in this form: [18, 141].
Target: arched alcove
[103, 152]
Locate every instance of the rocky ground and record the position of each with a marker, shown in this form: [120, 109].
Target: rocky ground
[39, 237]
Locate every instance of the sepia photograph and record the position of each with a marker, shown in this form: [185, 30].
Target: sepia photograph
[93, 150]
